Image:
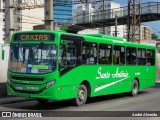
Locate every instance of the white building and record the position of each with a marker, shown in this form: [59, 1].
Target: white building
[82, 13]
[32, 17]
[24, 19]
[146, 33]
[95, 13]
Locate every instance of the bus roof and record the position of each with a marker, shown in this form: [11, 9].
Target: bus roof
[93, 37]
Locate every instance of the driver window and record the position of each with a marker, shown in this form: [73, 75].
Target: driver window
[63, 55]
[71, 53]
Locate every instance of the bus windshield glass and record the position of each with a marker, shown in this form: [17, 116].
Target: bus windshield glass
[35, 59]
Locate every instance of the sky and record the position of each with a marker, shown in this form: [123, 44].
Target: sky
[154, 24]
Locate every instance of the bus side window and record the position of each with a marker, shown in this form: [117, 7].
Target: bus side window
[141, 56]
[85, 50]
[119, 55]
[131, 56]
[89, 53]
[105, 54]
[150, 57]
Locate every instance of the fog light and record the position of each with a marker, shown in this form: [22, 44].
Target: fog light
[49, 84]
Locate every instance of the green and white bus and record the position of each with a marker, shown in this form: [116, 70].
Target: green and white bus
[55, 65]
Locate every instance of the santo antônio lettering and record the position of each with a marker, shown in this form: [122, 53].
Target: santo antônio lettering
[34, 37]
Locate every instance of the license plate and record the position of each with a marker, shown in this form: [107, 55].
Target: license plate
[32, 88]
[19, 88]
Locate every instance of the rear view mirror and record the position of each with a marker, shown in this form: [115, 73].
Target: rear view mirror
[3, 51]
[3, 54]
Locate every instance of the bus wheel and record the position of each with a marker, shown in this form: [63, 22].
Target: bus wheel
[135, 88]
[81, 97]
[42, 101]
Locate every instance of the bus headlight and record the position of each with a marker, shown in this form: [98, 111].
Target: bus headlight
[49, 84]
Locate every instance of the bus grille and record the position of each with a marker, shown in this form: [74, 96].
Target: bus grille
[27, 78]
[28, 92]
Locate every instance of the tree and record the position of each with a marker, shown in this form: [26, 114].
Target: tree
[7, 40]
[155, 37]
[64, 27]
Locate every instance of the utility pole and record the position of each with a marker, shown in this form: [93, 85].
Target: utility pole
[116, 32]
[103, 18]
[11, 12]
[49, 15]
[9, 19]
[134, 21]
[0, 4]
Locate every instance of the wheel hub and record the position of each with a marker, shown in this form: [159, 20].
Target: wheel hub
[135, 88]
[81, 95]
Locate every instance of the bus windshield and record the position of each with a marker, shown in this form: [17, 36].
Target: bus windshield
[33, 58]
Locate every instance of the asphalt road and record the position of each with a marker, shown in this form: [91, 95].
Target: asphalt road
[146, 100]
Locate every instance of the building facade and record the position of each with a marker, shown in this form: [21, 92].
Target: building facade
[1, 22]
[62, 14]
[31, 18]
[146, 32]
[20, 19]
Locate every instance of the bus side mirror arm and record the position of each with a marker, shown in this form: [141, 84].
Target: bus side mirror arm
[3, 51]
[3, 54]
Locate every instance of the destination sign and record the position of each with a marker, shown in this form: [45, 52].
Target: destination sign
[34, 37]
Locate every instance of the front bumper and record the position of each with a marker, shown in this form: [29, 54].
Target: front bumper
[52, 93]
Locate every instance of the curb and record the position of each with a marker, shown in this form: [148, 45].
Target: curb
[3, 89]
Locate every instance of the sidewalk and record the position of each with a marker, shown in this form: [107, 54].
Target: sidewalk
[158, 81]
[7, 100]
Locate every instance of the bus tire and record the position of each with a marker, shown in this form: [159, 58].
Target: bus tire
[81, 96]
[42, 101]
[135, 88]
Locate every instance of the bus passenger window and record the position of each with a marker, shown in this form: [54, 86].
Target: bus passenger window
[150, 57]
[105, 54]
[89, 53]
[118, 55]
[141, 56]
[131, 56]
